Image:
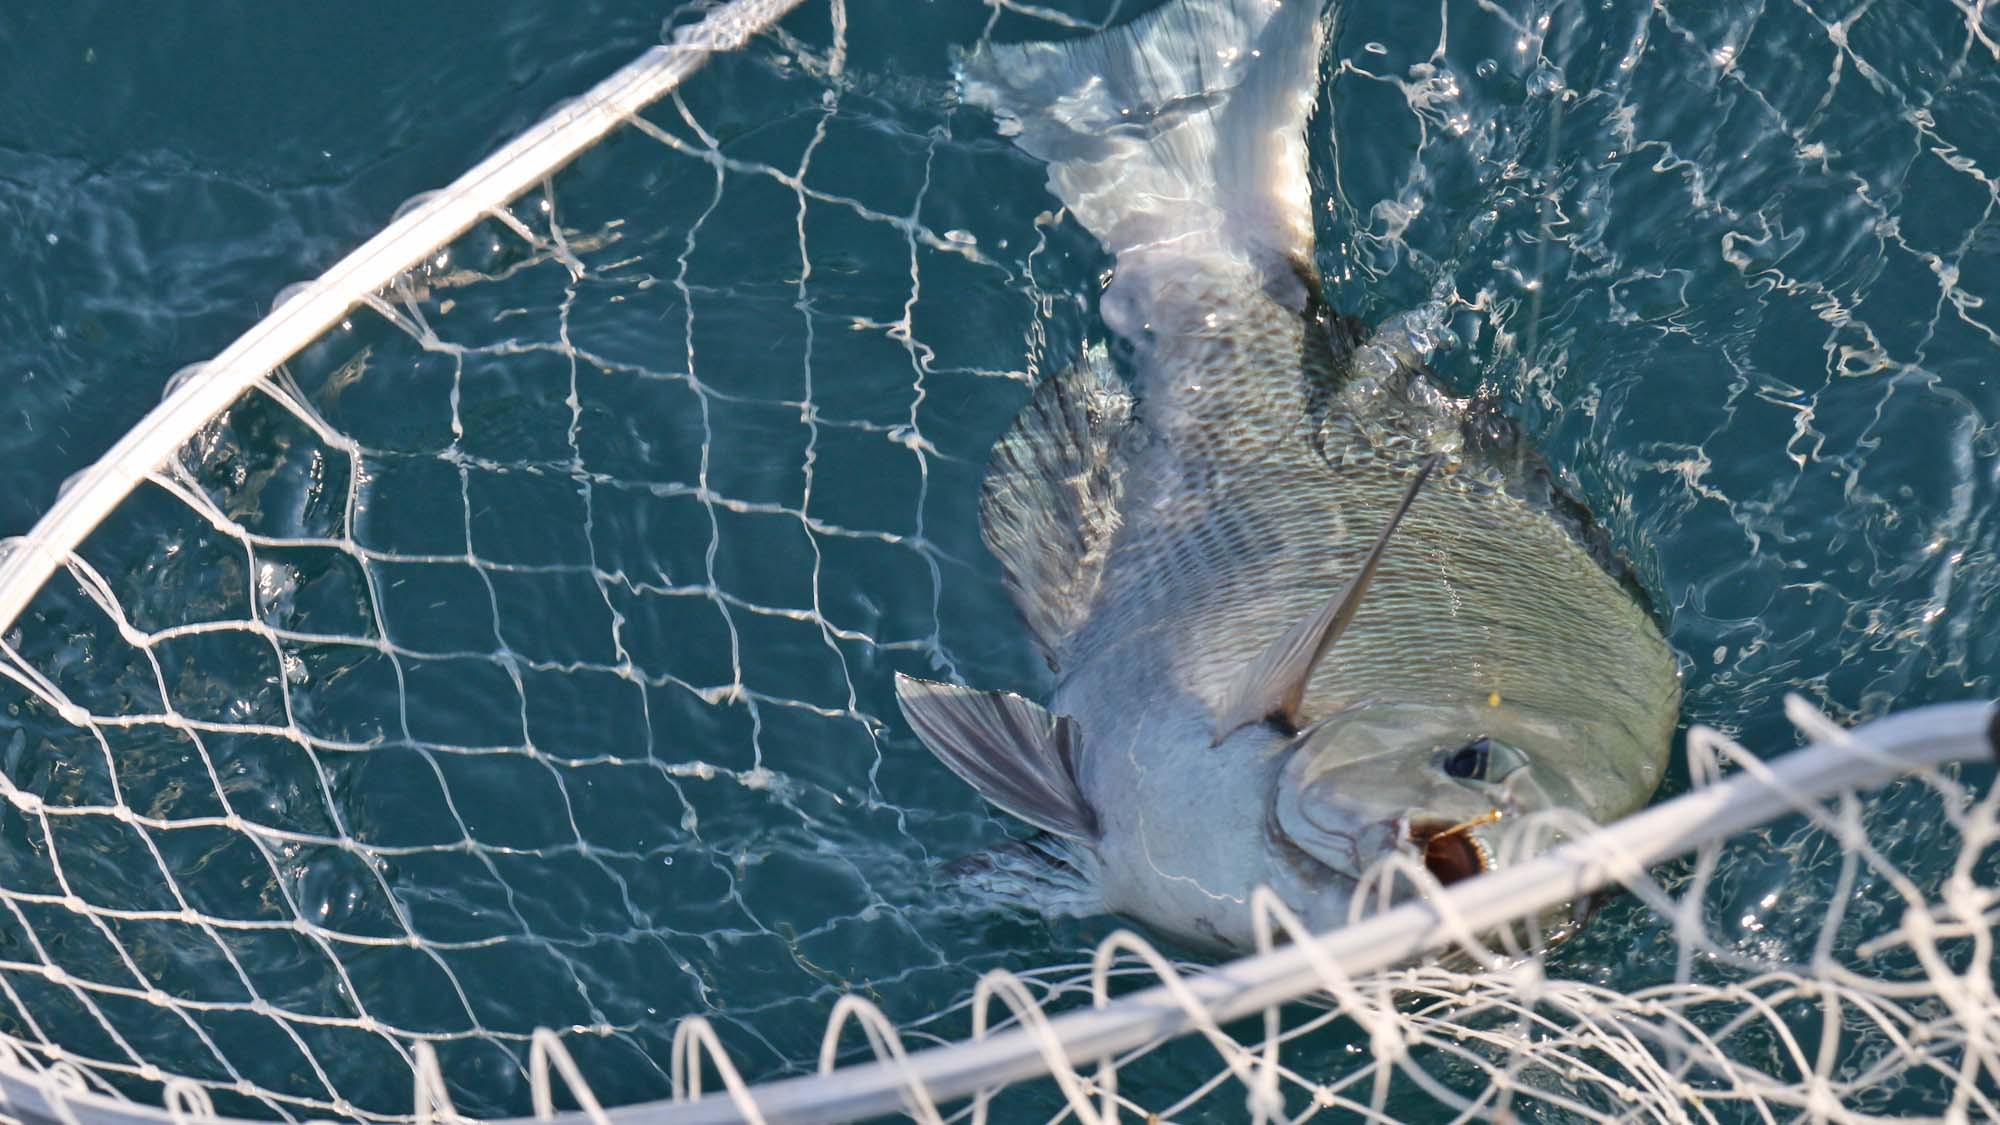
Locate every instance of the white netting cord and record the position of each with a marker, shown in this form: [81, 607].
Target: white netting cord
[1024, 1009]
[695, 1042]
[311, 606]
[1584, 1050]
[1631, 1029]
[274, 844]
[351, 470]
[549, 1061]
[303, 312]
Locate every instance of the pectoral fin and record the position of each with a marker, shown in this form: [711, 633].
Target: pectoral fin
[1014, 752]
[1273, 686]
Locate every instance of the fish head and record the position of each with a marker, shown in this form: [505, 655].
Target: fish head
[1442, 786]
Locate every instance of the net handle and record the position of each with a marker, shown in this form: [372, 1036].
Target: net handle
[1868, 756]
[87, 498]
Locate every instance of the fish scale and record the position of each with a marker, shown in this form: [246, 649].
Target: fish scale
[1232, 521]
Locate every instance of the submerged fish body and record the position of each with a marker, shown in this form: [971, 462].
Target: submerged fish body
[1238, 702]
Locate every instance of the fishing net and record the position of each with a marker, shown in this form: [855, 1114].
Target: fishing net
[479, 700]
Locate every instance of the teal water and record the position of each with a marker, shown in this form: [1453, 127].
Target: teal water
[1732, 266]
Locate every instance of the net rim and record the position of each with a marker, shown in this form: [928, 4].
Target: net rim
[427, 223]
[1869, 755]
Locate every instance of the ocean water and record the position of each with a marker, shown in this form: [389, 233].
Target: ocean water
[593, 729]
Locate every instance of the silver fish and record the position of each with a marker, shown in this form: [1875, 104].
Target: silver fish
[1187, 545]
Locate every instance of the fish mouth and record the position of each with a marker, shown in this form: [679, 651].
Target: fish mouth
[1451, 852]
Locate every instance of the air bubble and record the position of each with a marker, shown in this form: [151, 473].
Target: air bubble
[1545, 82]
[70, 482]
[1486, 68]
[328, 893]
[184, 375]
[412, 203]
[277, 583]
[289, 294]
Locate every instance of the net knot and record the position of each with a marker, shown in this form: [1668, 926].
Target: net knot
[1265, 1103]
[1388, 1041]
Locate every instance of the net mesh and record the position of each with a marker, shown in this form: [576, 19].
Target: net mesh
[518, 656]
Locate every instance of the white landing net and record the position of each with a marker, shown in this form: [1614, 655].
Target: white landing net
[469, 696]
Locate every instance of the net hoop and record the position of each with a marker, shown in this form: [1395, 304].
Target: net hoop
[300, 317]
[1868, 756]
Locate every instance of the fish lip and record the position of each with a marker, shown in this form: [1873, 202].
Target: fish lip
[1453, 852]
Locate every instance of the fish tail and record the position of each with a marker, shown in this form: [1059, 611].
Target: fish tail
[1182, 132]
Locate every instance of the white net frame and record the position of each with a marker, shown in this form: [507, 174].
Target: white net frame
[199, 393]
[1647, 1050]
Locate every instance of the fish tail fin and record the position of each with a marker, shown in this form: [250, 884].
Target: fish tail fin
[1184, 128]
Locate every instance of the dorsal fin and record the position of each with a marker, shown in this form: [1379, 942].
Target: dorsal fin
[1274, 685]
[1049, 504]
[1014, 752]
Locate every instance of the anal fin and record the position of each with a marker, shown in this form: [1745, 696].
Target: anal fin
[1013, 751]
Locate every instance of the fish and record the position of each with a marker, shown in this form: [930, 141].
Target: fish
[1303, 610]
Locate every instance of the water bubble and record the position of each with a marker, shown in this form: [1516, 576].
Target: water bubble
[182, 377]
[1486, 68]
[277, 584]
[412, 203]
[290, 293]
[328, 891]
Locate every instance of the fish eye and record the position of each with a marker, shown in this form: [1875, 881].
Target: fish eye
[1469, 761]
